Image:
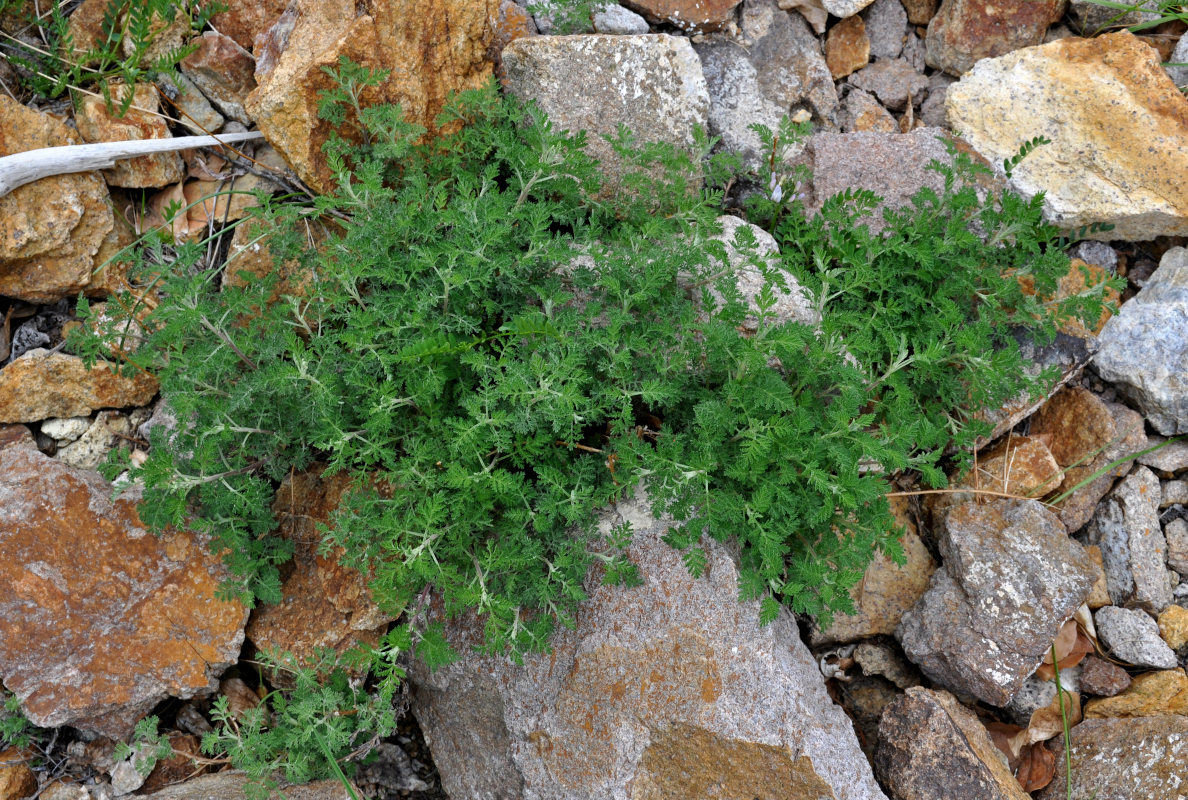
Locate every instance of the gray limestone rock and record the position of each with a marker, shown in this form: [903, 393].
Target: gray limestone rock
[1098, 253]
[932, 110]
[652, 84]
[1144, 348]
[1133, 550]
[615, 19]
[794, 305]
[1179, 75]
[845, 8]
[668, 689]
[1011, 577]
[886, 27]
[1132, 636]
[1176, 533]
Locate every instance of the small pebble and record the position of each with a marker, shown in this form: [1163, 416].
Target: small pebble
[1102, 678]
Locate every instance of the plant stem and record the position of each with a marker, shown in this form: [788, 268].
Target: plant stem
[1064, 722]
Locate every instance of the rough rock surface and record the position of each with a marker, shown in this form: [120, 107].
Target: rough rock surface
[667, 690]
[782, 68]
[1119, 151]
[621, 21]
[1074, 422]
[224, 71]
[16, 779]
[886, 591]
[1134, 552]
[1173, 626]
[1009, 580]
[862, 112]
[41, 384]
[1091, 17]
[1151, 694]
[432, 47]
[894, 81]
[794, 305]
[1176, 533]
[1144, 348]
[234, 786]
[696, 16]
[1102, 678]
[1123, 759]
[243, 22]
[890, 165]
[101, 620]
[652, 84]
[96, 124]
[186, 102]
[325, 604]
[886, 27]
[845, 8]
[920, 12]
[1132, 636]
[964, 31]
[847, 47]
[931, 746]
[51, 229]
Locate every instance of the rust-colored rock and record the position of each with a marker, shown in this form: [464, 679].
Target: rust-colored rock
[431, 48]
[177, 767]
[886, 591]
[691, 15]
[40, 385]
[1173, 626]
[97, 124]
[1074, 424]
[224, 71]
[100, 620]
[1018, 465]
[964, 31]
[1099, 595]
[510, 23]
[325, 604]
[847, 47]
[50, 229]
[17, 781]
[243, 22]
[1079, 278]
[250, 258]
[1149, 695]
[1102, 678]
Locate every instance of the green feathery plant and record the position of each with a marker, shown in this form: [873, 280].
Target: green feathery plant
[492, 355]
[126, 49]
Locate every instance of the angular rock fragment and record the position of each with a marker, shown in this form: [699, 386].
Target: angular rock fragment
[965, 31]
[1130, 118]
[41, 384]
[886, 27]
[1132, 636]
[51, 229]
[931, 746]
[847, 47]
[1102, 678]
[1134, 552]
[97, 124]
[1151, 694]
[100, 620]
[697, 16]
[861, 112]
[1127, 759]
[1009, 580]
[1144, 349]
[671, 687]
[431, 48]
[651, 84]
[894, 81]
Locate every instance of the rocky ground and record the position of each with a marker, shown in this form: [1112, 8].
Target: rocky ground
[941, 686]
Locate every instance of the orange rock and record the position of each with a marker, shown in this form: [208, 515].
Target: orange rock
[100, 620]
[97, 124]
[16, 779]
[510, 23]
[325, 604]
[224, 71]
[964, 31]
[1079, 278]
[1150, 695]
[243, 22]
[1074, 424]
[431, 48]
[40, 385]
[919, 12]
[51, 229]
[887, 590]
[1173, 626]
[847, 47]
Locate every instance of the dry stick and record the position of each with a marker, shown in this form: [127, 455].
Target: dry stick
[21, 168]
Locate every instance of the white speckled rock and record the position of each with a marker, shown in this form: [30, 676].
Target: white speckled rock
[1144, 348]
[1119, 151]
[652, 84]
[670, 689]
[1132, 636]
[614, 19]
[1010, 578]
[845, 8]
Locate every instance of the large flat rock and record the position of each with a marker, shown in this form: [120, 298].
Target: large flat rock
[667, 690]
[100, 620]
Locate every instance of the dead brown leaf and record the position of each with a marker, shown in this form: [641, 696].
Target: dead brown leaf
[1036, 768]
[240, 697]
[1048, 722]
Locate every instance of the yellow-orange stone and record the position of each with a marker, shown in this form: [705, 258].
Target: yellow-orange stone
[100, 620]
[1150, 695]
[1173, 626]
[41, 384]
[847, 47]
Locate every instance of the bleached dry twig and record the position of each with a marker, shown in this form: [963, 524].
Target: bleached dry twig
[21, 168]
